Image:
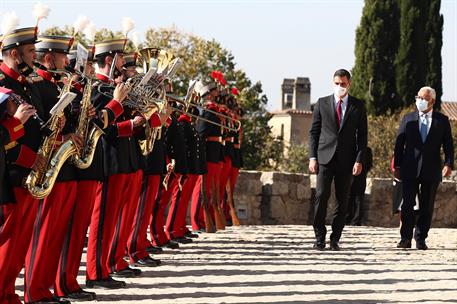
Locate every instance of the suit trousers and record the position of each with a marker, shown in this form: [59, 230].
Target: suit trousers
[426, 192]
[343, 179]
[356, 200]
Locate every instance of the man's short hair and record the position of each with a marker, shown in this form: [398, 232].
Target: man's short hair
[430, 90]
[101, 61]
[342, 73]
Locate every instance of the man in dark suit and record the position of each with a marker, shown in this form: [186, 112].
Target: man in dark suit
[337, 145]
[418, 163]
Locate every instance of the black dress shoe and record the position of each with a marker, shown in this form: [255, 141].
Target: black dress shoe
[53, 300]
[421, 245]
[154, 250]
[126, 273]
[147, 262]
[80, 295]
[334, 246]
[319, 245]
[183, 240]
[201, 230]
[171, 245]
[191, 235]
[404, 244]
[108, 283]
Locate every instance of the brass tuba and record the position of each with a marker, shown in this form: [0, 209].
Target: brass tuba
[89, 132]
[159, 65]
[40, 183]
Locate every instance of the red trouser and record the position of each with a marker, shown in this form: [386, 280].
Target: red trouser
[225, 175]
[51, 226]
[124, 224]
[212, 183]
[176, 220]
[138, 240]
[158, 235]
[70, 258]
[107, 207]
[17, 230]
[196, 211]
[233, 177]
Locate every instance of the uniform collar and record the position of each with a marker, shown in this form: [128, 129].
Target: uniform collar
[103, 78]
[12, 73]
[185, 118]
[46, 75]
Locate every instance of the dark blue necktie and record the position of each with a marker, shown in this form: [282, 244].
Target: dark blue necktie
[424, 127]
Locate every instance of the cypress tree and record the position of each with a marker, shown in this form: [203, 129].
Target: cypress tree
[411, 58]
[434, 43]
[377, 39]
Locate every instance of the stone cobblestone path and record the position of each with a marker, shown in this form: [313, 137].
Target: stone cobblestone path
[276, 264]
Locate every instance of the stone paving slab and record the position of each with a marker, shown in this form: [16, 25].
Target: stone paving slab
[276, 264]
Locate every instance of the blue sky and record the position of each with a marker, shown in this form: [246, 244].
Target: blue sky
[270, 40]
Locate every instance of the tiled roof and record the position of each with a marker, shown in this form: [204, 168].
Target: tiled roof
[449, 109]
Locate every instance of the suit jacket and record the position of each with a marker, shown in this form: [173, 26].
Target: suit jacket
[416, 158]
[349, 142]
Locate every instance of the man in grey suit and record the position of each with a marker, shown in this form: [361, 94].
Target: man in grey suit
[337, 147]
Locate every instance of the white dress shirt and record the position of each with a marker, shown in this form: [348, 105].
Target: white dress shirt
[344, 104]
[425, 118]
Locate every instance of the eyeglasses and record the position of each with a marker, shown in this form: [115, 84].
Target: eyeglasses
[418, 98]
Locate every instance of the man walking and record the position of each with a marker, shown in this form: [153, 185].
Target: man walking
[337, 146]
[418, 163]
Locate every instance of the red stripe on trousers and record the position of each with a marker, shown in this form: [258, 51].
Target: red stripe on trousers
[17, 232]
[44, 253]
[196, 210]
[71, 254]
[212, 183]
[176, 225]
[130, 199]
[138, 240]
[158, 235]
[225, 175]
[107, 207]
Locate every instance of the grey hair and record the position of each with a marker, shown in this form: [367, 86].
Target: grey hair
[430, 90]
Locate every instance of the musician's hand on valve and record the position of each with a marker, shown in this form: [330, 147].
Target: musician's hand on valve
[62, 121]
[76, 139]
[138, 121]
[24, 111]
[91, 112]
[121, 91]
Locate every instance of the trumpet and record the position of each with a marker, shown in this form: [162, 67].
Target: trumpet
[187, 104]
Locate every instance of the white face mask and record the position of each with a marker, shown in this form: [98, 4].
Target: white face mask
[340, 91]
[421, 104]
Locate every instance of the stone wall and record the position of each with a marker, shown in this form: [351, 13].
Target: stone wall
[286, 198]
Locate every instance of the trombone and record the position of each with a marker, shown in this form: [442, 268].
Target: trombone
[187, 104]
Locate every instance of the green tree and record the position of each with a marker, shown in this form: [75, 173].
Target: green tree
[411, 57]
[434, 43]
[377, 39]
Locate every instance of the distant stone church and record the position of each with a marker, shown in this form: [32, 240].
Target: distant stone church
[293, 121]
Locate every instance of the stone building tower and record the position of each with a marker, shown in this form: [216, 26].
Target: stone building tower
[293, 120]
